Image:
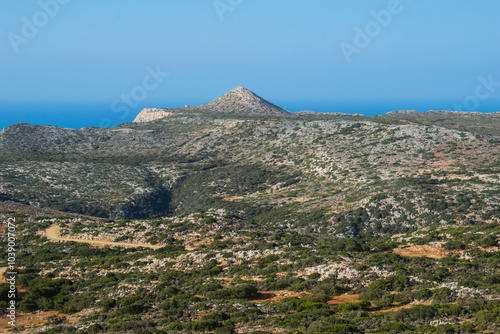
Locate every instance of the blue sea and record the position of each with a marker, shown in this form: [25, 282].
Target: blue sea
[100, 114]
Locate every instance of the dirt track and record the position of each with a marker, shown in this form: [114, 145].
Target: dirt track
[397, 308]
[53, 233]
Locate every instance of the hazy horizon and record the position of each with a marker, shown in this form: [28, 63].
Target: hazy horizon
[99, 114]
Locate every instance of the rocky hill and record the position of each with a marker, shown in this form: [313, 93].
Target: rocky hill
[238, 101]
[349, 177]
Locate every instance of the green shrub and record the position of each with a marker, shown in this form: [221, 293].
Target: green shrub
[240, 291]
[422, 312]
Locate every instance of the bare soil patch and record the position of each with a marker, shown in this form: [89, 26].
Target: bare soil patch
[406, 121]
[343, 299]
[35, 319]
[433, 252]
[275, 296]
[2, 272]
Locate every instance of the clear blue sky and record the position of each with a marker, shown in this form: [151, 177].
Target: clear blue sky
[288, 51]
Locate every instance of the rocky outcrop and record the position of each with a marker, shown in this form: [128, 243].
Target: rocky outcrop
[151, 114]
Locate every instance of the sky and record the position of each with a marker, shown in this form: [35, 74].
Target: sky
[98, 63]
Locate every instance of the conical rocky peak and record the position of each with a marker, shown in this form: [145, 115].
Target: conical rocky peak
[242, 93]
[242, 101]
[241, 90]
[237, 101]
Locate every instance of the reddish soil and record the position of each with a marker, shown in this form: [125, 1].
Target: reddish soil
[433, 252]
[343, 299]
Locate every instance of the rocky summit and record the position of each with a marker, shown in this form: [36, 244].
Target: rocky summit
[237, 101]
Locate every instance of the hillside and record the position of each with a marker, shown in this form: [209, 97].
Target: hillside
[215, 272]
[205, 221]
[347, 176]
[480, 123]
